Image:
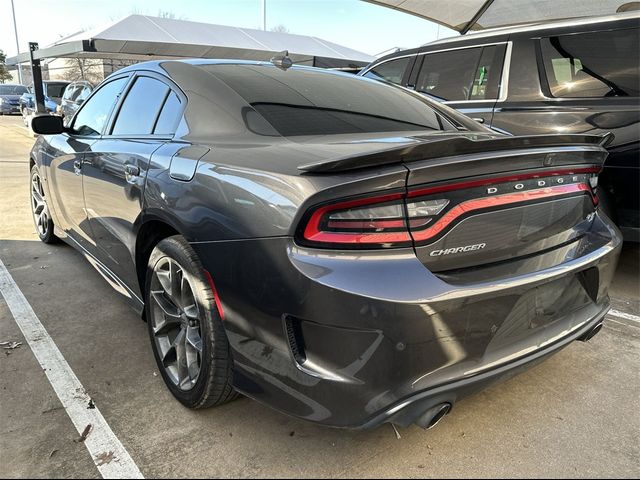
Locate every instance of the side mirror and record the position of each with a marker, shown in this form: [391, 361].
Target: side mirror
[47, 124]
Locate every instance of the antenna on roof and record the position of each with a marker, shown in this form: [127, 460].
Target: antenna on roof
[282, 60]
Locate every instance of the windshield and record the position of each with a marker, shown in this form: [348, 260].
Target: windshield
[12, 89]
[303, 101]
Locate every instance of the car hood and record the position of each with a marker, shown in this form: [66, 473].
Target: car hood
[10, 97]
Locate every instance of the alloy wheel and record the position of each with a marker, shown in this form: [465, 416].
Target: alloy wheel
[175, 322]
[39, 205]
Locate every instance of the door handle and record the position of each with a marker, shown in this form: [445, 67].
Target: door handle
[77, 167]
[131, 173]
[478, 119]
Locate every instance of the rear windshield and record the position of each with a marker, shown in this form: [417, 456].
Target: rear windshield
[12, 89]
[55, 90]
[310, 102]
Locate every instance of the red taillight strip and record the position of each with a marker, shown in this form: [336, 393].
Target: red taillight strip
[216, 297]
[313, 233]
[490, 181]
[487, 202]
[367, 224]
[360, 238]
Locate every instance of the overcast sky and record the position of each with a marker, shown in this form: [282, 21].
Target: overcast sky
[352, 23]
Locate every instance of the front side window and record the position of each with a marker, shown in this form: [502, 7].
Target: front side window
[94, 114]
[391, 71]
[451, 76]
[594, 64]
[140, 108]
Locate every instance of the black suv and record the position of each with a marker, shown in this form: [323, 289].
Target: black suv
[578, 76]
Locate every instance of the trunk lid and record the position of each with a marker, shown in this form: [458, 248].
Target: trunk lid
[477, 199]
[516, 197]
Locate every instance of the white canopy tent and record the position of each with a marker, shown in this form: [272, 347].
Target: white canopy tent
[140, 37]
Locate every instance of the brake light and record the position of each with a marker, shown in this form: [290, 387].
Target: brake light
[379, 221]
[421, 215]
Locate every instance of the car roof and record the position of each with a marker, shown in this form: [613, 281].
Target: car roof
[538, 26]
[156, 65]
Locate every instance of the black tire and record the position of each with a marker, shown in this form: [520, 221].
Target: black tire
[213, 384]
[42, 221]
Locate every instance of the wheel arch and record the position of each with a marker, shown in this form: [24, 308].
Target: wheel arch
[151, 231]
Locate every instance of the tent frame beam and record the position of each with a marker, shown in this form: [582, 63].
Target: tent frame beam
[63, 50]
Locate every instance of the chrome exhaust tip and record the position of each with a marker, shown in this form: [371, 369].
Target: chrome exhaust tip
[591, 333]
[433, 416]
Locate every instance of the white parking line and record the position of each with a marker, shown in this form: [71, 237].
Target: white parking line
[626, 316]
[109, 455]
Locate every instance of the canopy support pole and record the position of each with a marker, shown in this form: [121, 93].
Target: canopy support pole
[36, 74]
[476, 17]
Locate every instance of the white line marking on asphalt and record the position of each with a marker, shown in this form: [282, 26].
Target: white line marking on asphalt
[625, 324]
[626, 316]
[101, 441]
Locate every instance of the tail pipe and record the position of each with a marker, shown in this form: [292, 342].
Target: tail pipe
[433, 416]
[591, 333]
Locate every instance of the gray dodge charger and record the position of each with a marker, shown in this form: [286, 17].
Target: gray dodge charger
[343, 250]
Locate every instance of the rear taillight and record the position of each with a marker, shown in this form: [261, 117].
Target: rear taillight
[423, 214]
[375, 221]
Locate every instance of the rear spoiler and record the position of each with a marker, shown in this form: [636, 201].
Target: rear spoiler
[449, 147]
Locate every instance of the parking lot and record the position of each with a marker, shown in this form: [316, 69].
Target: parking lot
[574, 415]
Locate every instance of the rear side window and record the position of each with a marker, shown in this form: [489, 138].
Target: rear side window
[94, 114]
[166, 124]
[140, 108]
[83, 94]
[594, 64]
[391, 71]
[465, 74]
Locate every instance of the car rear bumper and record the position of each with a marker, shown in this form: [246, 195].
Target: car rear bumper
[355, 339]
[6, 108]
[409, 410]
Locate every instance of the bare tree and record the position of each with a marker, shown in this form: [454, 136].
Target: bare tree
[161, 13]
[83, 69]
[170, 15]
[279, 29]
